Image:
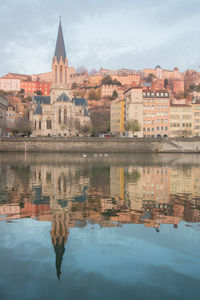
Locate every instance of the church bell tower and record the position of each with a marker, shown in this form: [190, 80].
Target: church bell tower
[60, 62]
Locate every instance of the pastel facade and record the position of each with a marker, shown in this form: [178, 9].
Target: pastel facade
[80, 79]
[3, 107]
[181, 120]
[151, 109]
[9, 84]
[47, 77]
[196, 117]
[95, 80]
[128, 79]
[178, 86]
[162, 74]
[117, 116]
[108, 89]
[156, 113]
[58, 114]
[11, 116]
[134, 108]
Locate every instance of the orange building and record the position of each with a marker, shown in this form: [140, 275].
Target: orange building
[128, 79]
[30, 87]
[178, 86]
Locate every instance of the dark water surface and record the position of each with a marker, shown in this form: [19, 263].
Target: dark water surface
[100, 227]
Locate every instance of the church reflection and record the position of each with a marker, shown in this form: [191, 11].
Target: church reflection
[71, 196]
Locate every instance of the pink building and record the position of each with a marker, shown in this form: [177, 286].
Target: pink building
[156, 113]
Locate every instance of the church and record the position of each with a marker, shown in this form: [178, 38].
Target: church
[59, 114]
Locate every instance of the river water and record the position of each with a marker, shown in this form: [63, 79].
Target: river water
[100, 226]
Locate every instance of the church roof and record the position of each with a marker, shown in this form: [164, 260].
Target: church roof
[38, 110]
[63, 98]
[85, 112]
[80, 101]
[42, 99]
[60, 45]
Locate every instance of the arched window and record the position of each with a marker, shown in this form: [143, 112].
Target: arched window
[56, 74]
[61, 74]
[59, 116]
[65, 115]
[65, 75]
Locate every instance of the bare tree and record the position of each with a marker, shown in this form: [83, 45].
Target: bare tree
[81, 69]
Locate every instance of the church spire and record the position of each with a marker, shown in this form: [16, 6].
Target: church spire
[60, 62]
[60, 45]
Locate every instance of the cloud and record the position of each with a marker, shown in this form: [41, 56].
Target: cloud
[111, 34]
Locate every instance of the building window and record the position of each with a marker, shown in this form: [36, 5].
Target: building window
[61, 74]
[56, 74]
[35, 124]
[59, 116]
[39, 124]
[65, 75]
[48, 124]
[65, 116]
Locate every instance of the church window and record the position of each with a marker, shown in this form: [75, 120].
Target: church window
[39, 124]
[61, 74]
[59, 116]
[56, 74]
[65, 75]
[65, 116]
[48, 124]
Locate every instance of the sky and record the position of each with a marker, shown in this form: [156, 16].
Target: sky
[113, 34]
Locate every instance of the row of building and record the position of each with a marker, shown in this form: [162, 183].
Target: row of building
[42, 82]
[156, 113]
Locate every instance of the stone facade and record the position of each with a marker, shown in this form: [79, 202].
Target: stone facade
[3, 107]
[134, 108]
[59, 114]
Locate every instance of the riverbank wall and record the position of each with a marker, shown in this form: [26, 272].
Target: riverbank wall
[98, 145]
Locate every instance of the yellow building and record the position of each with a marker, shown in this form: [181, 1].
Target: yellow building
[196, 117]
[117, 116]
[181, 120]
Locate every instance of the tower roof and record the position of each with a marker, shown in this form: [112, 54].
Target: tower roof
[38, 110]
[63, 98]
[60, 45]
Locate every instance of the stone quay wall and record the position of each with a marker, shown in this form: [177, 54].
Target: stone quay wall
[92, 145]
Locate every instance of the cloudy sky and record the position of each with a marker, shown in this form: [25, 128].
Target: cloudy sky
[100, 33]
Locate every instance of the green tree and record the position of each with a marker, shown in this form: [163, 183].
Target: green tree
[22, 126]
[108, 80]
[92, 94]
[166, 83]
[150, 77]
[74, 85]
[39, 93]
[114, 95]
[132, 126]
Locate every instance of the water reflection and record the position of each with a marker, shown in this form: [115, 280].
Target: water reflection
[71, 191]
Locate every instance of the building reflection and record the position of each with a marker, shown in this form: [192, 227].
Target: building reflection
[70, 196]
